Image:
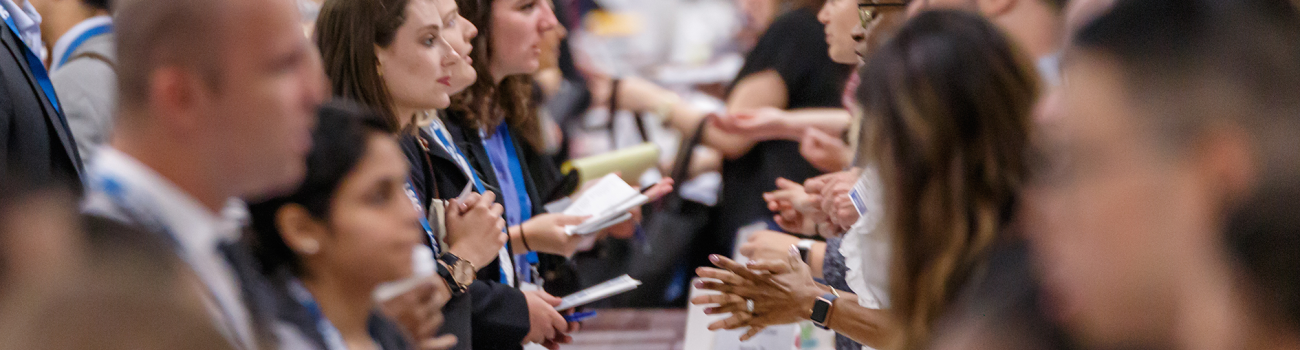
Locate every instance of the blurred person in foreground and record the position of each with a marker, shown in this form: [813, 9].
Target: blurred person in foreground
[89, 284]
[1173, 114]
[947, 203]
[82, 66]
[348, 228]
[217, 102]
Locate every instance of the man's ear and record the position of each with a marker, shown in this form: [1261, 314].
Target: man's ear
[179, 97]
[994, 8]
[301, 231]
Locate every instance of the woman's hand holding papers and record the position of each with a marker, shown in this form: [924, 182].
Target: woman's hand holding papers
[627, 229]
[545, 233]
[474, 228]
[547, 327]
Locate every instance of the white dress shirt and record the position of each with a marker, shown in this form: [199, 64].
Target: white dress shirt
[867, 246]
[123, 188]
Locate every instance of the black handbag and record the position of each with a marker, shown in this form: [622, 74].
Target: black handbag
[673, 230]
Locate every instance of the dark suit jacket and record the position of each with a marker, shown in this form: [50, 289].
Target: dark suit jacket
[541, 177]
[34, 139]
[491, 315]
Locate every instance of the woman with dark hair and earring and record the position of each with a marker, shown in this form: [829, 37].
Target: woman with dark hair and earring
[397, 56]
[947, 105]
[345, 230]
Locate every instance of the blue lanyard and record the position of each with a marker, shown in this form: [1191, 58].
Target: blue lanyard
[330, 334]
[81, 39]
[424, 218]
[38, 68]
[437, 130]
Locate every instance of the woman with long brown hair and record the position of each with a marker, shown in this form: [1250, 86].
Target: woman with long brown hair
[947, 105]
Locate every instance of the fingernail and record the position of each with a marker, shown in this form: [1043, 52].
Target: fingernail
[699, 284]
[710, 310]
[713, 257]
[794, 250]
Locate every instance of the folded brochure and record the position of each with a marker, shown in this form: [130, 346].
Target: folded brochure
[607, 203]
[597, 292]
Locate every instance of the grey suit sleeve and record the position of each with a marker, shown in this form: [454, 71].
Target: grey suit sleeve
[87, 91]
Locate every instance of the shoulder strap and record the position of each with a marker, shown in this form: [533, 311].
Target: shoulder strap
[95, 56]
[613, 107]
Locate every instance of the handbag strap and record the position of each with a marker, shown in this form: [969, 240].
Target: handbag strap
[613, 108]
[686, 152]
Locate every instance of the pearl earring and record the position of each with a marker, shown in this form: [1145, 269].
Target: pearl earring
[309, 247]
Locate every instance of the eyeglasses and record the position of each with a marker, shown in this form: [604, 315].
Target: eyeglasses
[870, 12]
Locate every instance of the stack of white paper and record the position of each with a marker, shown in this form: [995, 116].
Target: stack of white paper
[600, 291]
[607, 202]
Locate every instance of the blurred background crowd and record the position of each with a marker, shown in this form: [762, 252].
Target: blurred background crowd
[393, 174]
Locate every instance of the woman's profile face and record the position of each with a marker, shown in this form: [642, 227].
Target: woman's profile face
[372, 225]
[841, 18]
[517, 28]
[459, 33]
[416, 67]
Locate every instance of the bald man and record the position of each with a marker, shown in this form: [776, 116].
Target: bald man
[217, 102]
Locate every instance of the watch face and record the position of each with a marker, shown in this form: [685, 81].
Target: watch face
[462, 272]
[819, 310]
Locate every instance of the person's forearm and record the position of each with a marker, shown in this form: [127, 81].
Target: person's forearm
[875, 328]
[685, 119]
[817, 258]
[833, 121]
[517, 245]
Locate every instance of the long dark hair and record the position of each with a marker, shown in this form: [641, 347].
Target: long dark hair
[486, 104]
[339, 142]
[347, 32]
[948, 105]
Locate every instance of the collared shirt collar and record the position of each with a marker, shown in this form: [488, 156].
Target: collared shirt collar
[195, 227]
[61, 46]
[28, 22]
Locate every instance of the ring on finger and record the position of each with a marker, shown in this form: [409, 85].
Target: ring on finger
[749, 305]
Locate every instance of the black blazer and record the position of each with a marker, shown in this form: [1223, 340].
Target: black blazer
[35, 142]
[491, 315]
[541, 177]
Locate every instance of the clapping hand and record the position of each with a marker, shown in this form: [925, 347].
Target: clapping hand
[766, 293]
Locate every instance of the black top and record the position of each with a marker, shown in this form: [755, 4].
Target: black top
[795, 47]
[35, 142]
[490, 315]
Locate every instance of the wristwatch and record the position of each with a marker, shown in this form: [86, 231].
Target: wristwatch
[821, 310]
[804, 246]
[458, 272]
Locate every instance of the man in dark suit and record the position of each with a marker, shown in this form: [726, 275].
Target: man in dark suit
[34, 138]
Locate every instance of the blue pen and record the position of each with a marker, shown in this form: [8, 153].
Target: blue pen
[579, 316]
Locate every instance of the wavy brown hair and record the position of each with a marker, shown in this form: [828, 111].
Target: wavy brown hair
[486, 104]
[948, 105]
[347, 32]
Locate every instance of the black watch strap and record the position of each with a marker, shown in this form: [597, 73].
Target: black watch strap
[444, 270]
